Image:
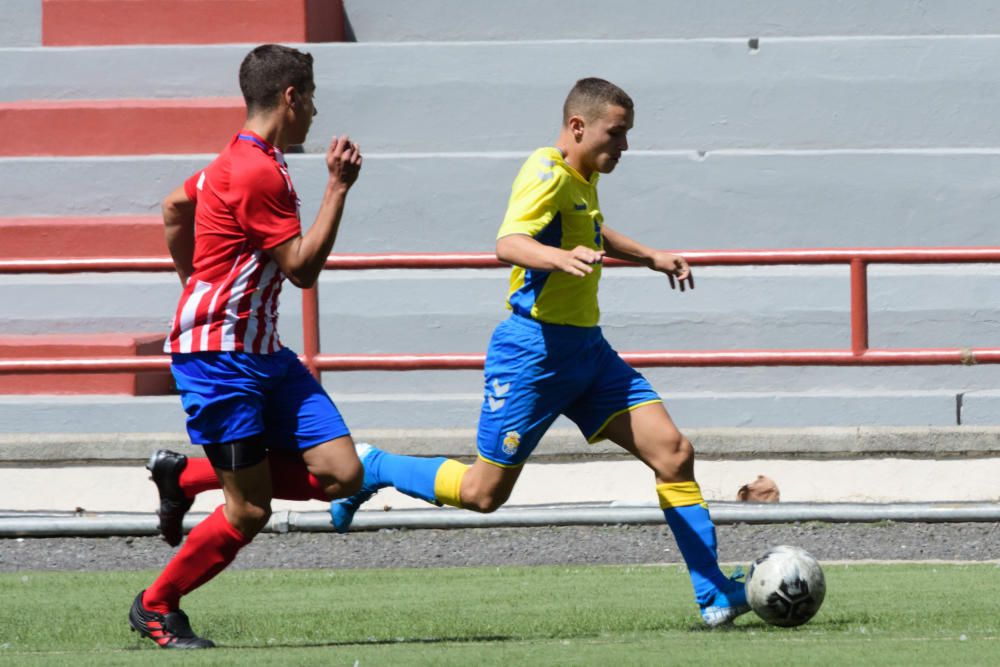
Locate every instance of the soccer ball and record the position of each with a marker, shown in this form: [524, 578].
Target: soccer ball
[786, 586]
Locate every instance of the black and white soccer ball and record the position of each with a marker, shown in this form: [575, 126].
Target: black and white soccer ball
[786, 586]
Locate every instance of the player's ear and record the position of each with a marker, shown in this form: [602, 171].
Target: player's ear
[576, 126]
[290, 97]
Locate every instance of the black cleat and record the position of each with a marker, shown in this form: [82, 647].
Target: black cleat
[165, 467]
[170, 630]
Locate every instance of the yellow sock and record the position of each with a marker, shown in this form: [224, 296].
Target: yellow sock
[679, 494]
[448, 483]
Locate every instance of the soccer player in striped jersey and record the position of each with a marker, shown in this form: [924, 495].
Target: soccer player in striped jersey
[550, 358]
[267, 427]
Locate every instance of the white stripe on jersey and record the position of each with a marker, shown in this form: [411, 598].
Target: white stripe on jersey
[189, 312]
[239, 288]
[206, 329]
[266, 281]
[273, 342]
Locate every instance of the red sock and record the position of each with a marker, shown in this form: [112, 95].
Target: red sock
[211, 546]
[198, 475]
[291, 480]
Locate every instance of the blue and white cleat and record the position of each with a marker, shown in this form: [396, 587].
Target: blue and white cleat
[342, 510]
[727, 604]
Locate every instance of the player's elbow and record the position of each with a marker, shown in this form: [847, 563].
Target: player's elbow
[301, 268]
[170, 212]
[301, 278]
[506, 250]
[177, 210]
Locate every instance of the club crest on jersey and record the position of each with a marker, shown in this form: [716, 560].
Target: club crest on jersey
[511, 442]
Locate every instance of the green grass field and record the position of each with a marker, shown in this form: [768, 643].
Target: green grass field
[914, 614]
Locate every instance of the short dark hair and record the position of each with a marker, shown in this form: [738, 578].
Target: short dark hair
[271, 68]
[590, 96]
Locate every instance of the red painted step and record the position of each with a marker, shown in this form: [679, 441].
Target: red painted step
[119, 127]
[84, 345]
[105, 22]
[53, 238]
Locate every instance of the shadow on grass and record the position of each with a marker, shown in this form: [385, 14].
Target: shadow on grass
[467, 639]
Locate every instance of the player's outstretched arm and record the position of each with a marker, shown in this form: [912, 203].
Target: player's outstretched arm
[619, 246]
[178, 228]
[302, 258]
[524, 251]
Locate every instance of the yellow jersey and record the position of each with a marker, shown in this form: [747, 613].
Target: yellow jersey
[551, 202]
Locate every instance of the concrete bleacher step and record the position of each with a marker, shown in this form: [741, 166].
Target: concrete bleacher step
[119, 127]
[441, 20]
[827, 444]
[22, 24]
[84, 345]
[427, 311]
[441, 203]
[463, 20]
[110, 236]
[424, 311]
[418, 411]
[876, 93]
[105, 22]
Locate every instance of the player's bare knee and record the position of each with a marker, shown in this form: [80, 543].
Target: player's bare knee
[483, 499]
[347, 486]
[684, 450]
[341, 481]
[675, 458]
[484, 504]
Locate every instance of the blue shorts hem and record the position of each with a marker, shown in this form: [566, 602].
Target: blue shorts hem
[228, 438]
[309, 444]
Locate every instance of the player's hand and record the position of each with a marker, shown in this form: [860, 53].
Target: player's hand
[676, 268]
[580, 260]
[343, 161]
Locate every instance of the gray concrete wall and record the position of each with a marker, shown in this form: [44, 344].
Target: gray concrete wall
[20, 23]
[393, 20]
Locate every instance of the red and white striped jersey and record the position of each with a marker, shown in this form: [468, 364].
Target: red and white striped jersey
[244, 205]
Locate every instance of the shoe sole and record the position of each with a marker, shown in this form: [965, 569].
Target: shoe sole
[150, 464]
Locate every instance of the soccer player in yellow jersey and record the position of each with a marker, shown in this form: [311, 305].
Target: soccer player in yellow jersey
[550, 357]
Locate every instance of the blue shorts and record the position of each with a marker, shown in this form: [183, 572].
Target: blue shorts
[235, 395]
[536, 371]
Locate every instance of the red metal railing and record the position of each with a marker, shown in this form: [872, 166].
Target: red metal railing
[858, 354]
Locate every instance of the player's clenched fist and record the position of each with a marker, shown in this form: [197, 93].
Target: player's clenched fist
[343, 160]
[580, 260]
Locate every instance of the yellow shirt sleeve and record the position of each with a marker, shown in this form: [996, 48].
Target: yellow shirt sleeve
[533, 199]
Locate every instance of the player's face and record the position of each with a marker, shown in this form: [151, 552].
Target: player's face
[305, 110]
[606, 138]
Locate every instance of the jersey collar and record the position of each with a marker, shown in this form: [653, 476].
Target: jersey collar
[261, 143]
[558, 155]
[256, 139]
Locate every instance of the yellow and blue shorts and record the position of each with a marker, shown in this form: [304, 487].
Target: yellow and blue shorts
[230, 396]
[537, 371]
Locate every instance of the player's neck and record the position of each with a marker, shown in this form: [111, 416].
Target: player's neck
[567, 146]
[573, 160]
[269, 128]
